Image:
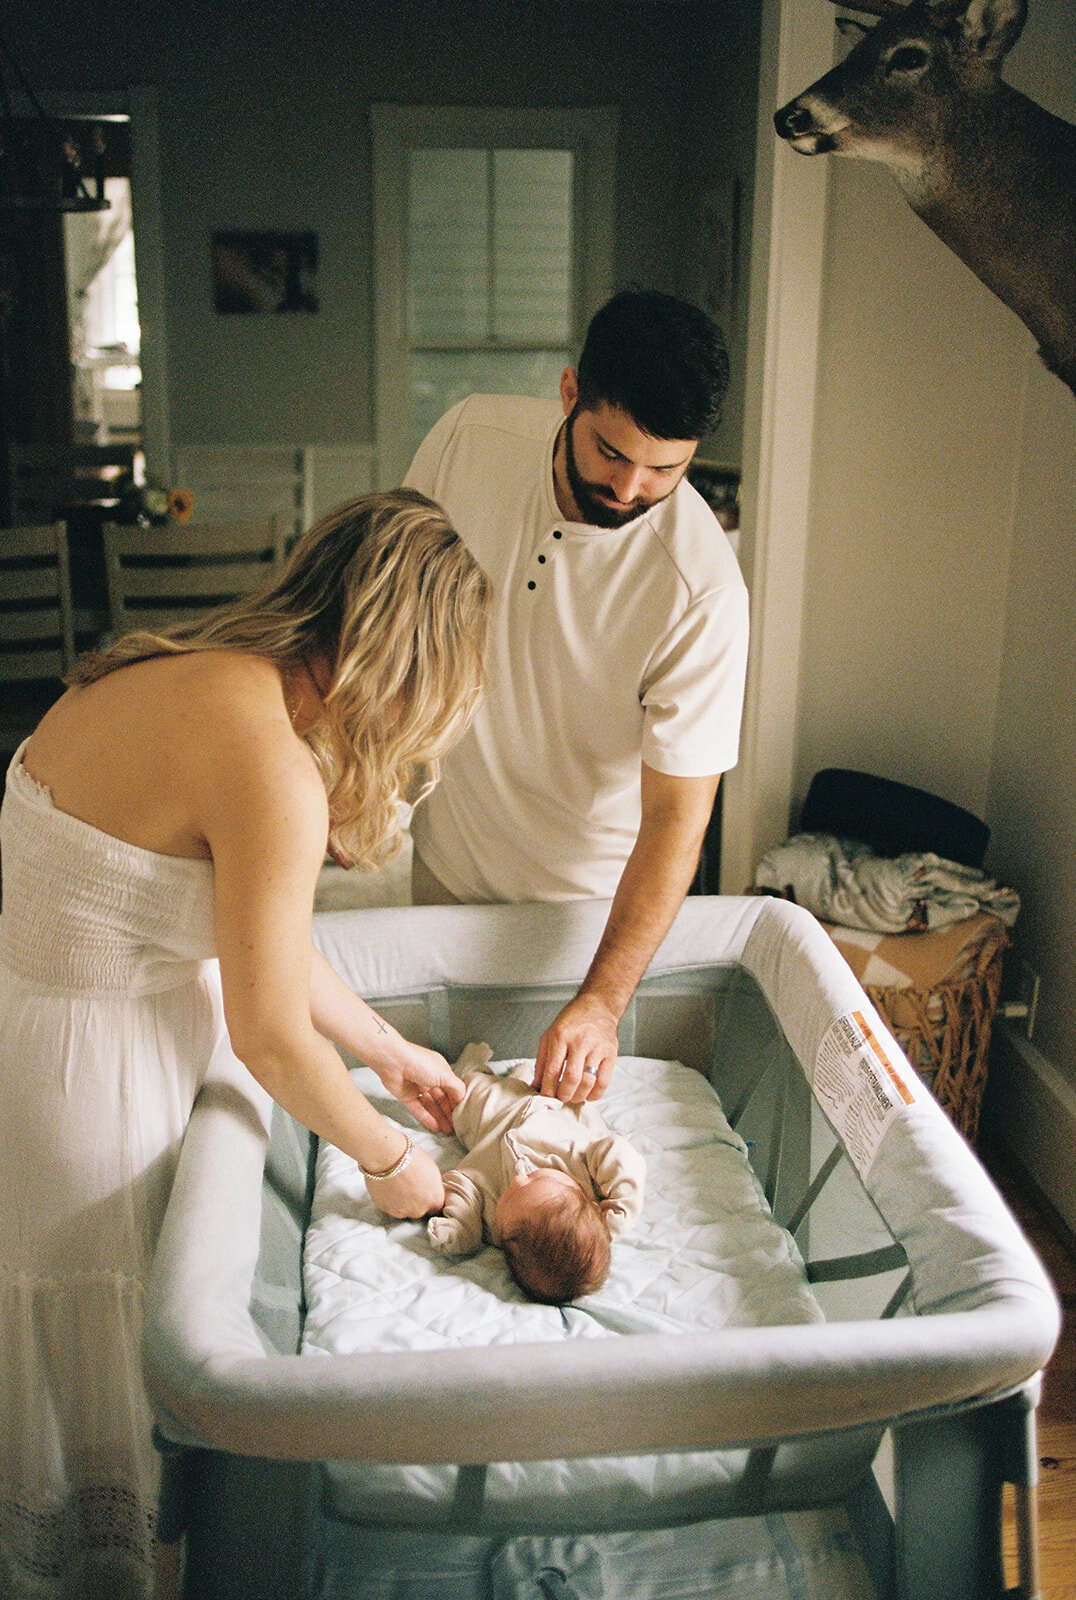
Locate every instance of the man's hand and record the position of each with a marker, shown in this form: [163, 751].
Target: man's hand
[578, 1051]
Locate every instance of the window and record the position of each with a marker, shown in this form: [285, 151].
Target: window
[492, 249]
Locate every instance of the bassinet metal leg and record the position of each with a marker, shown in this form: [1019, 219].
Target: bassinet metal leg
[1027, 1543]
[250, 1534]
[950, 1474]
[1024, 1476]
[554, 1585]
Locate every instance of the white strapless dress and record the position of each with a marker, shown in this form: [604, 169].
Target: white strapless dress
[110, 1021]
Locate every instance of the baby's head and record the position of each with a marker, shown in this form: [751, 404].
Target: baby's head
[554, 1236]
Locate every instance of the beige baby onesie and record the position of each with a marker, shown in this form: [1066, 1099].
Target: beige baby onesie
[504, 1123]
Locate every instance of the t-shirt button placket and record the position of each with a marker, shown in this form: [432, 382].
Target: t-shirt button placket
[542, 559]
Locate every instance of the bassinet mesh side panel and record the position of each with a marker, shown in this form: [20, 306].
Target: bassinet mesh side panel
[714, 1019]
[744, 991]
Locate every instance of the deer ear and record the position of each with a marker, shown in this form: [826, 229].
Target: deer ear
[851, 27]
[992, 27]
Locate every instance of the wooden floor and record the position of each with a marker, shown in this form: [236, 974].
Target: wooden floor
[1057, 1413]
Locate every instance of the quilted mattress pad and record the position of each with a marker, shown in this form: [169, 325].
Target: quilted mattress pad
[706, 1254]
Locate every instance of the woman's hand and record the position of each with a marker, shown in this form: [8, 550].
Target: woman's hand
[423, 1081]
[419, 1078]
[418, 1191]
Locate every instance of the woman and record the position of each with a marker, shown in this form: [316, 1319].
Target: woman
[175, 804]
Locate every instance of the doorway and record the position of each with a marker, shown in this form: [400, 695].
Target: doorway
[102, 317]
[82, 370]
[70, 340]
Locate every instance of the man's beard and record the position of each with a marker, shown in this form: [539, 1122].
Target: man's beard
[596, 510]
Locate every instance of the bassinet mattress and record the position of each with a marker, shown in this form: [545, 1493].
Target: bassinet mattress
[705, 1255]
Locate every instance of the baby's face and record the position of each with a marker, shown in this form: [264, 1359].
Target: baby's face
[528, 1191]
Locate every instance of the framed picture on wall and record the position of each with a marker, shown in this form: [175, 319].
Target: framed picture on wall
[265, 272]
[719, 209]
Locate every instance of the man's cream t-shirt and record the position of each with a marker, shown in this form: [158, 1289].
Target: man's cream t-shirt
[608, 647]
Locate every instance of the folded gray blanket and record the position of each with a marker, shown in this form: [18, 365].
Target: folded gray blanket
[844, 882]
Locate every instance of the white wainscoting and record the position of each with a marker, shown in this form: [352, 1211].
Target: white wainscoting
[1030, 1110]
[297, 482]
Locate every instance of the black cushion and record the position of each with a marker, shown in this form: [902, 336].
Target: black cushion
[893, 819]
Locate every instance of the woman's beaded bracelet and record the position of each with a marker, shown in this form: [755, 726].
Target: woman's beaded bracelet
[396, 1168]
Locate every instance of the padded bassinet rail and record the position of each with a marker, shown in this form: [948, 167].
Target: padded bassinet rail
[938, 1315]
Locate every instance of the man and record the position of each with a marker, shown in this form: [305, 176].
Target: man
[617, 656]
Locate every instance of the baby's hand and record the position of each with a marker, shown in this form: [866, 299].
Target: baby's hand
[473, 1059]
[459, 1231]
[448, 1236]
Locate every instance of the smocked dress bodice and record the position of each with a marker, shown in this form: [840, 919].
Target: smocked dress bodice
[84, 910]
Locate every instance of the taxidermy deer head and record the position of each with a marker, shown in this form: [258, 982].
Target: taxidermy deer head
[991, 172]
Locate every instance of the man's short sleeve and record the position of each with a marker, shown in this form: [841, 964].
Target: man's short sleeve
[693, 693]
[424, 473]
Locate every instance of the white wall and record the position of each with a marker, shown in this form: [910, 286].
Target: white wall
[1032, 796]
[939, 639]
[1032, 793]
[263, 118]
[912, 508]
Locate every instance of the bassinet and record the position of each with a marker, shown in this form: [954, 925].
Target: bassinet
[912, 1405]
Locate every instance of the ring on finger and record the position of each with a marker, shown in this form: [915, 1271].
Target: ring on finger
[590, 1072]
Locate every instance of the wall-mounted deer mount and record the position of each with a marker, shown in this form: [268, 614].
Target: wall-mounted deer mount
[991, 172]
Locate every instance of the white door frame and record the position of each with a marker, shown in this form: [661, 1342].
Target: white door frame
[148, 222]
[787, 258]
[139, 104]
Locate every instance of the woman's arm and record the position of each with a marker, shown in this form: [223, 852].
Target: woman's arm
[263, 812]
[419, 1078]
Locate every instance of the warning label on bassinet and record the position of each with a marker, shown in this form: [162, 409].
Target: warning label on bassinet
[859, 1086]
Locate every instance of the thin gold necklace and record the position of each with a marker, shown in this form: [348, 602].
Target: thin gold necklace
[292, 689]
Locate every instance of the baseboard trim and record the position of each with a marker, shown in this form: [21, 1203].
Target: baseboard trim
[1030, 1112]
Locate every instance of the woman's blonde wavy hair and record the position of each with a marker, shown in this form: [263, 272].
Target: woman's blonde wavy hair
[385, 591]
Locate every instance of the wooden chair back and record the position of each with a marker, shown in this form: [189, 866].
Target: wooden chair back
[160, 575]
[37, 636]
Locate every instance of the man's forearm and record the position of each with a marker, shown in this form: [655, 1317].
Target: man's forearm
[578, 1051]
[656, 878]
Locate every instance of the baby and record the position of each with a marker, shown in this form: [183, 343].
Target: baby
[547, 1182]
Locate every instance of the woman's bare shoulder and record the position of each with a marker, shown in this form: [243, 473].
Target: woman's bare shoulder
[234, 708]
[225, 677]
[159, 751]
[181, 703]
[241, 741]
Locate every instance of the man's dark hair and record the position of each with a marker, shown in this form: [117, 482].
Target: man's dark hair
[659, 359]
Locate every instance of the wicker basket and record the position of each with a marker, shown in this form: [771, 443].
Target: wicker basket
[943, 1019]
[945, 1033]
